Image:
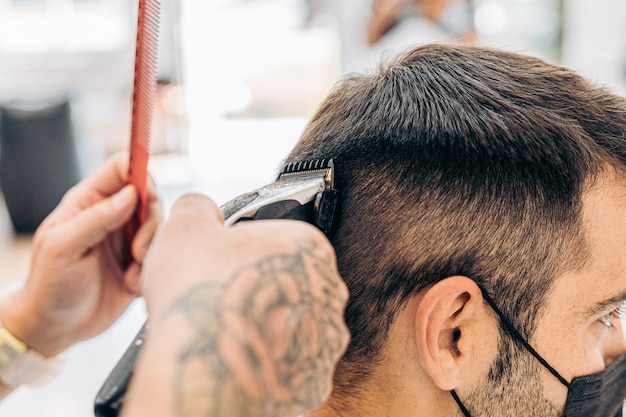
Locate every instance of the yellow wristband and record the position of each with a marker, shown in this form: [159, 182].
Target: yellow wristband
[13, 342]
[20, 365]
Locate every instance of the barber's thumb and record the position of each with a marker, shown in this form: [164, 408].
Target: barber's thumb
[93, 224]
[194, 208]
[124, 198]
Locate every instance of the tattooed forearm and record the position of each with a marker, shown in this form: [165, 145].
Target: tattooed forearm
[265, 341]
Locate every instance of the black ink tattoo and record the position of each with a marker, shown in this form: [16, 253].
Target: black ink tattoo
[266, 341]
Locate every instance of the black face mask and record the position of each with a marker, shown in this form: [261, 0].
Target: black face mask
[601, 394]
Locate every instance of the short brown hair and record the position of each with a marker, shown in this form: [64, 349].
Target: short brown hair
[460, 160]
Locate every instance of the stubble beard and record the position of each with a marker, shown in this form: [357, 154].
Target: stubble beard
[513, 387]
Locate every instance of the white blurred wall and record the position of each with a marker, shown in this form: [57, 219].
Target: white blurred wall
[594, 41]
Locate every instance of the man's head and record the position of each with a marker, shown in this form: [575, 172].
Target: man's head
[469, 167]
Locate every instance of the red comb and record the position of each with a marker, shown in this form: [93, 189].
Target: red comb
[144, 93]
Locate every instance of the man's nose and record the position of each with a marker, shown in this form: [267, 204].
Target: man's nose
[615, 343]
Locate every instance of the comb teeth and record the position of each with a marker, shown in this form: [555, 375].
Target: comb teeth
[144, 89]
[314, 165]
[144, 93]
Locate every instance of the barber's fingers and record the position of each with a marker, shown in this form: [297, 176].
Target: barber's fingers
[142, 242]
[146, 232]
[76, 235]
[132, 278]
[109, 177]
[107, 180]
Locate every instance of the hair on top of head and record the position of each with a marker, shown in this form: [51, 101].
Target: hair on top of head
[459, 160]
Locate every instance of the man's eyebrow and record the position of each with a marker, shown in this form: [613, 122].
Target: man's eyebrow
[604, 305]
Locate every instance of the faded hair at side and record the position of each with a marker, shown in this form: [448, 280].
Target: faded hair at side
[459, 160]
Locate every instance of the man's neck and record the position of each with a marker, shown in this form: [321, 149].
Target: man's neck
[394, 408]
[367, 404]
[397, 386]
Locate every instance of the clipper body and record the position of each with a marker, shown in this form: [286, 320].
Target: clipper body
[303, 191]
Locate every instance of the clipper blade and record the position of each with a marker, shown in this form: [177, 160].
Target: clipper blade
[302, 191]
[314, 167]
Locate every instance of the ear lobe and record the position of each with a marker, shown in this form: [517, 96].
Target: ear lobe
[443, 319]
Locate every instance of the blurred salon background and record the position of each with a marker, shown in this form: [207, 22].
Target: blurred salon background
[238, 80]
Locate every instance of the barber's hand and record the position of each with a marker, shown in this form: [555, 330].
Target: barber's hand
[77, 285]
[243, 321]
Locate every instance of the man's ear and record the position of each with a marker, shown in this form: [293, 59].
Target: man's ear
[446, 321]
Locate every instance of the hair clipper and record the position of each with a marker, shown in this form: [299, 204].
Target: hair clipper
[303, 191]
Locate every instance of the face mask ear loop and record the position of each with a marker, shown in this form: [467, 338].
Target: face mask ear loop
[511, 328]
[464, 410]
